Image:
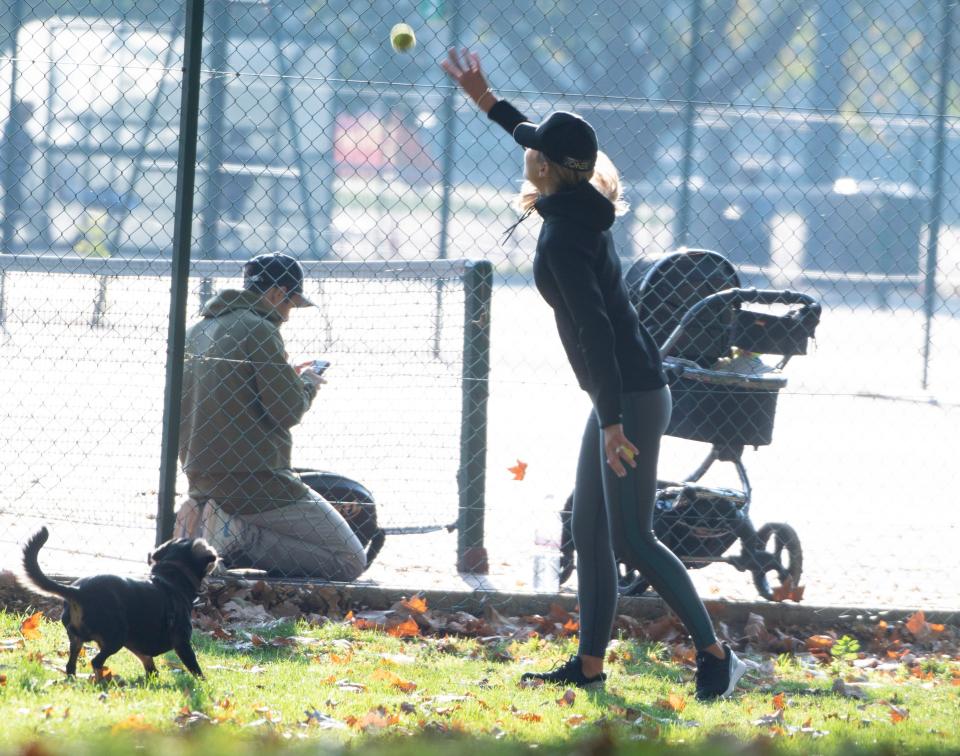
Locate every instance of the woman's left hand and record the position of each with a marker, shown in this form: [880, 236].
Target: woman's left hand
[618, 448]
[467, 73]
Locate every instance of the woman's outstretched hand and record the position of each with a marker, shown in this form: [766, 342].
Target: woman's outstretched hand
[464, 68]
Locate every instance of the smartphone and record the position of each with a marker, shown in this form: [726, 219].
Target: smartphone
[319, 366]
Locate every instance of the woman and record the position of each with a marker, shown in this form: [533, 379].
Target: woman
[615, 360]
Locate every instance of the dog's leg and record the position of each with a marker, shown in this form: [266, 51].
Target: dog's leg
[106, 651]
[185, 651]
[76, 645]
[147, 661]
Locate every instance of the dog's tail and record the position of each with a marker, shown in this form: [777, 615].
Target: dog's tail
[34, 575]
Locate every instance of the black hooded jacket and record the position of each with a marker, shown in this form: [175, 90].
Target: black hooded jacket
[577, 271]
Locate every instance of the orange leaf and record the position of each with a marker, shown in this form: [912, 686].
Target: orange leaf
[30, 627]
[820, 643]
[673, 702]
[349, 616]
[898, 713]
[567, 698]
[519, 471]
[917, 623]
[406, 629]
[936, 628]
[416, 604]
[134, 723]
[395, 680]
[528, 716]
[780, 701]
[571, 625]
[576, 720]
[345, 659]
[3, 680]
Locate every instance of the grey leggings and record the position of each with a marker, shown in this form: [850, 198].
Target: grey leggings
[611, 513]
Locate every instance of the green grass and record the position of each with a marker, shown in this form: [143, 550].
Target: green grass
[256, 696]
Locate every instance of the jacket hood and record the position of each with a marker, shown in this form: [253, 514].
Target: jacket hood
[582, 204]
[230, 300]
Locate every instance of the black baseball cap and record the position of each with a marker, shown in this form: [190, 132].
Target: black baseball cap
[563, 137]
[276, 269]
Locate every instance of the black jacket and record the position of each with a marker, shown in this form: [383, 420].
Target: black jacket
[577, 271]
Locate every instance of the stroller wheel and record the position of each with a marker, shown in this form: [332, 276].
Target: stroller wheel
[780, 552]
[632, 582]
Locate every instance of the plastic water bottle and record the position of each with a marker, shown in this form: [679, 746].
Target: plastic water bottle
[546, 549]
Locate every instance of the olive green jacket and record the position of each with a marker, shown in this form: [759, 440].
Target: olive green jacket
[240, 399]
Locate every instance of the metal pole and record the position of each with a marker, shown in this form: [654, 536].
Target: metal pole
[448, 165]
[213, 183]
[471, 477]
[278, 34]
[9, 126]
[936, 208]
[183, 216]
[689, 116]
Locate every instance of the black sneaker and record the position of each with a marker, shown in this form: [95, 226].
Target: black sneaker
[716, 678]
[570, 673]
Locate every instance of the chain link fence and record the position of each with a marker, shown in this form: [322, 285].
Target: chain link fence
[808, 145]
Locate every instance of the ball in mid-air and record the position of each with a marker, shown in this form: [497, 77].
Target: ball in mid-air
[402, 37]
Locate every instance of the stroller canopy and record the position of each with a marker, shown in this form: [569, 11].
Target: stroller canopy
[663, 289]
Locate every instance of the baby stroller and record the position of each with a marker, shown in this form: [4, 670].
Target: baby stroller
[691, 303]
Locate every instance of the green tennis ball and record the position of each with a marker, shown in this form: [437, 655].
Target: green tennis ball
[402, 37]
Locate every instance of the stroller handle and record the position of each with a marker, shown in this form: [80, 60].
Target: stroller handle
[809, 307]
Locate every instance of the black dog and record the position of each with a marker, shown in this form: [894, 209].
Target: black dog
[149, 617]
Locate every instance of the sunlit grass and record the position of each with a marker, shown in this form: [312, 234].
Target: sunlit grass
[336, 685]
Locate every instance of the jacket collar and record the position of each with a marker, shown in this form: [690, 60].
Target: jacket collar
[581, 203]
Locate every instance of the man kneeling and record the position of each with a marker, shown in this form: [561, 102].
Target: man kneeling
[240, 399]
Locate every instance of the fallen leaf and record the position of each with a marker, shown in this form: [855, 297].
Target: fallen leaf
[567, 698]
[787, 591]
[898, 713]
[771, 720]
[323, 721]
[406, 629]
[780, 701]
[398, 659]
[416, 604]
[527, 716]
[576, 720]
[30, 627]
[133, 723]
[396, 681]
[917, 623]
[3, 680]
[376, 719]
[673, 702]
[519, 471]
[571, 626]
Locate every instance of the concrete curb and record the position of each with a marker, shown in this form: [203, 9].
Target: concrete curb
[513, 604]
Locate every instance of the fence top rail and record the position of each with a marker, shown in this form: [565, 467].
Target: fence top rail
[118, 266]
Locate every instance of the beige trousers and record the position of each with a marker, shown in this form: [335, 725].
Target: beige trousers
[306, 539]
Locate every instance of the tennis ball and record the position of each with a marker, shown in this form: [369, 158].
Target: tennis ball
[402, 37]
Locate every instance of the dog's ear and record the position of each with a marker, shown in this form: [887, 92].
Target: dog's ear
[158, 553]
[204, 554]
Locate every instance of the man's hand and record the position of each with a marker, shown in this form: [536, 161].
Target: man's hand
[314, 377]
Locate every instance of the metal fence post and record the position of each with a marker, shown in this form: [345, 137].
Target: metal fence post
[447, 168]
[220, 16]
[936, 206]
[471, 477]
[180, 272]
[8, 143]
[682, 228]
